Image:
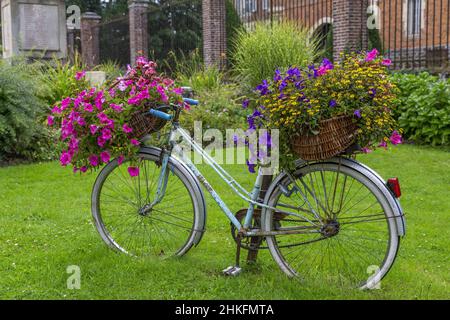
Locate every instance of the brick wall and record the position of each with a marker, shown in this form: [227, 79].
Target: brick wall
[214, 32]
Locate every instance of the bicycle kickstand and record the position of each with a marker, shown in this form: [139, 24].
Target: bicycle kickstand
[236, 269]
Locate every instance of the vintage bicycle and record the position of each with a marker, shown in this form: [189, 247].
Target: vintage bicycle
[329, 221]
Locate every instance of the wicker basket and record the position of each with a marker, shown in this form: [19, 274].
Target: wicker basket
[335, 136]
[143, 123]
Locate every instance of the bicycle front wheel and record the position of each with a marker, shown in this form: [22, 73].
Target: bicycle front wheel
[169, 228]
[349, 234]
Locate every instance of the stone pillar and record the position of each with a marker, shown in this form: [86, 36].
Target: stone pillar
[214, 33]
[138, 28]
[90, 39]
[349, 26]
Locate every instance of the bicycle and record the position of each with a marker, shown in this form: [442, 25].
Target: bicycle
[316, 224]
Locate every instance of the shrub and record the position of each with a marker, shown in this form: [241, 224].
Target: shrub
[268, 47]
[22, 135]
[218, 109]
[111, 68]
[218, 106]
[424, 107]
[59, 79]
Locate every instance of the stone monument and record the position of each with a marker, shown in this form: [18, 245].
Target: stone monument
[34, 28]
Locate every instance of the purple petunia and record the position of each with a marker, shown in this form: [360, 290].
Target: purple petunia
[357, 113]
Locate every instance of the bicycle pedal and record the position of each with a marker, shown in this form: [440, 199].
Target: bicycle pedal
[232, 271]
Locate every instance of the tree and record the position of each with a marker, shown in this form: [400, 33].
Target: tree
[174, 26]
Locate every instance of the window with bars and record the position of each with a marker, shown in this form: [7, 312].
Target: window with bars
[414, 19]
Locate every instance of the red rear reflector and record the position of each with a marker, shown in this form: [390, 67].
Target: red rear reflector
[394, 186]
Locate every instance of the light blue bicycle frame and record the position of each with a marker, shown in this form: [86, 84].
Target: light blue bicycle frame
[250, 197]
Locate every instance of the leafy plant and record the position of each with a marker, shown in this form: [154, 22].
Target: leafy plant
[218, 109]
[424, 107]
[22, 136]
[258, 53]
[59, 79]
[111, 68]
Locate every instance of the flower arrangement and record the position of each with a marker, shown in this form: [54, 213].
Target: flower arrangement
[296, 101]
[94, 125]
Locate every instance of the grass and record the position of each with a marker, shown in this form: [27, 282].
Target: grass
[45, 226]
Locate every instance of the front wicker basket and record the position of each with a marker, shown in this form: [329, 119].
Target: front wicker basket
[143, 123]
[335, 136]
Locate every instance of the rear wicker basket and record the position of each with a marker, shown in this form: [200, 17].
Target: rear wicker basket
[335, 136]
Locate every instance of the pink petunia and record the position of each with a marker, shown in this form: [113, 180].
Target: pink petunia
[386, 62]
[83, 169]
[103, 117]
[105, 156]
[65, 158]
[366, 150]
[93, 128]
[50, 120]
[383, 144]
[134, 142]
[79, 75]
[88, 107]
[116, 107]
[93, 160]
[65, 103]
[395, 138]
[56, 109]
[127, 129]
[372, 55]
[106, 134]
[120, 160]
[101, 141]
[133, 171]
[112, 92]
[81, 121]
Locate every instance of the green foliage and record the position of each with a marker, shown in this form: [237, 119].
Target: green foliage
[424, 107]
[190, 71]
[113, 9]
[175, 26]
[375, 40]
[22, 135]
[233, 25]
[111, 68]
[58, 79]
[218, 109]
[268, 47]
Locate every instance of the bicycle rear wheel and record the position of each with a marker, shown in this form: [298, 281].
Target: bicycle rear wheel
[171, 227]
[353, 239]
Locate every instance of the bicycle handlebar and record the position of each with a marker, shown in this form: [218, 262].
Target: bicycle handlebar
[160, 114]
[166, 116]
[191, 101]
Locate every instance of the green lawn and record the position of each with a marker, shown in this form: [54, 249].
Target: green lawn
[45, 226]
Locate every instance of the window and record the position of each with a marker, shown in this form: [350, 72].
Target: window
[414, 21]
[250, 6]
